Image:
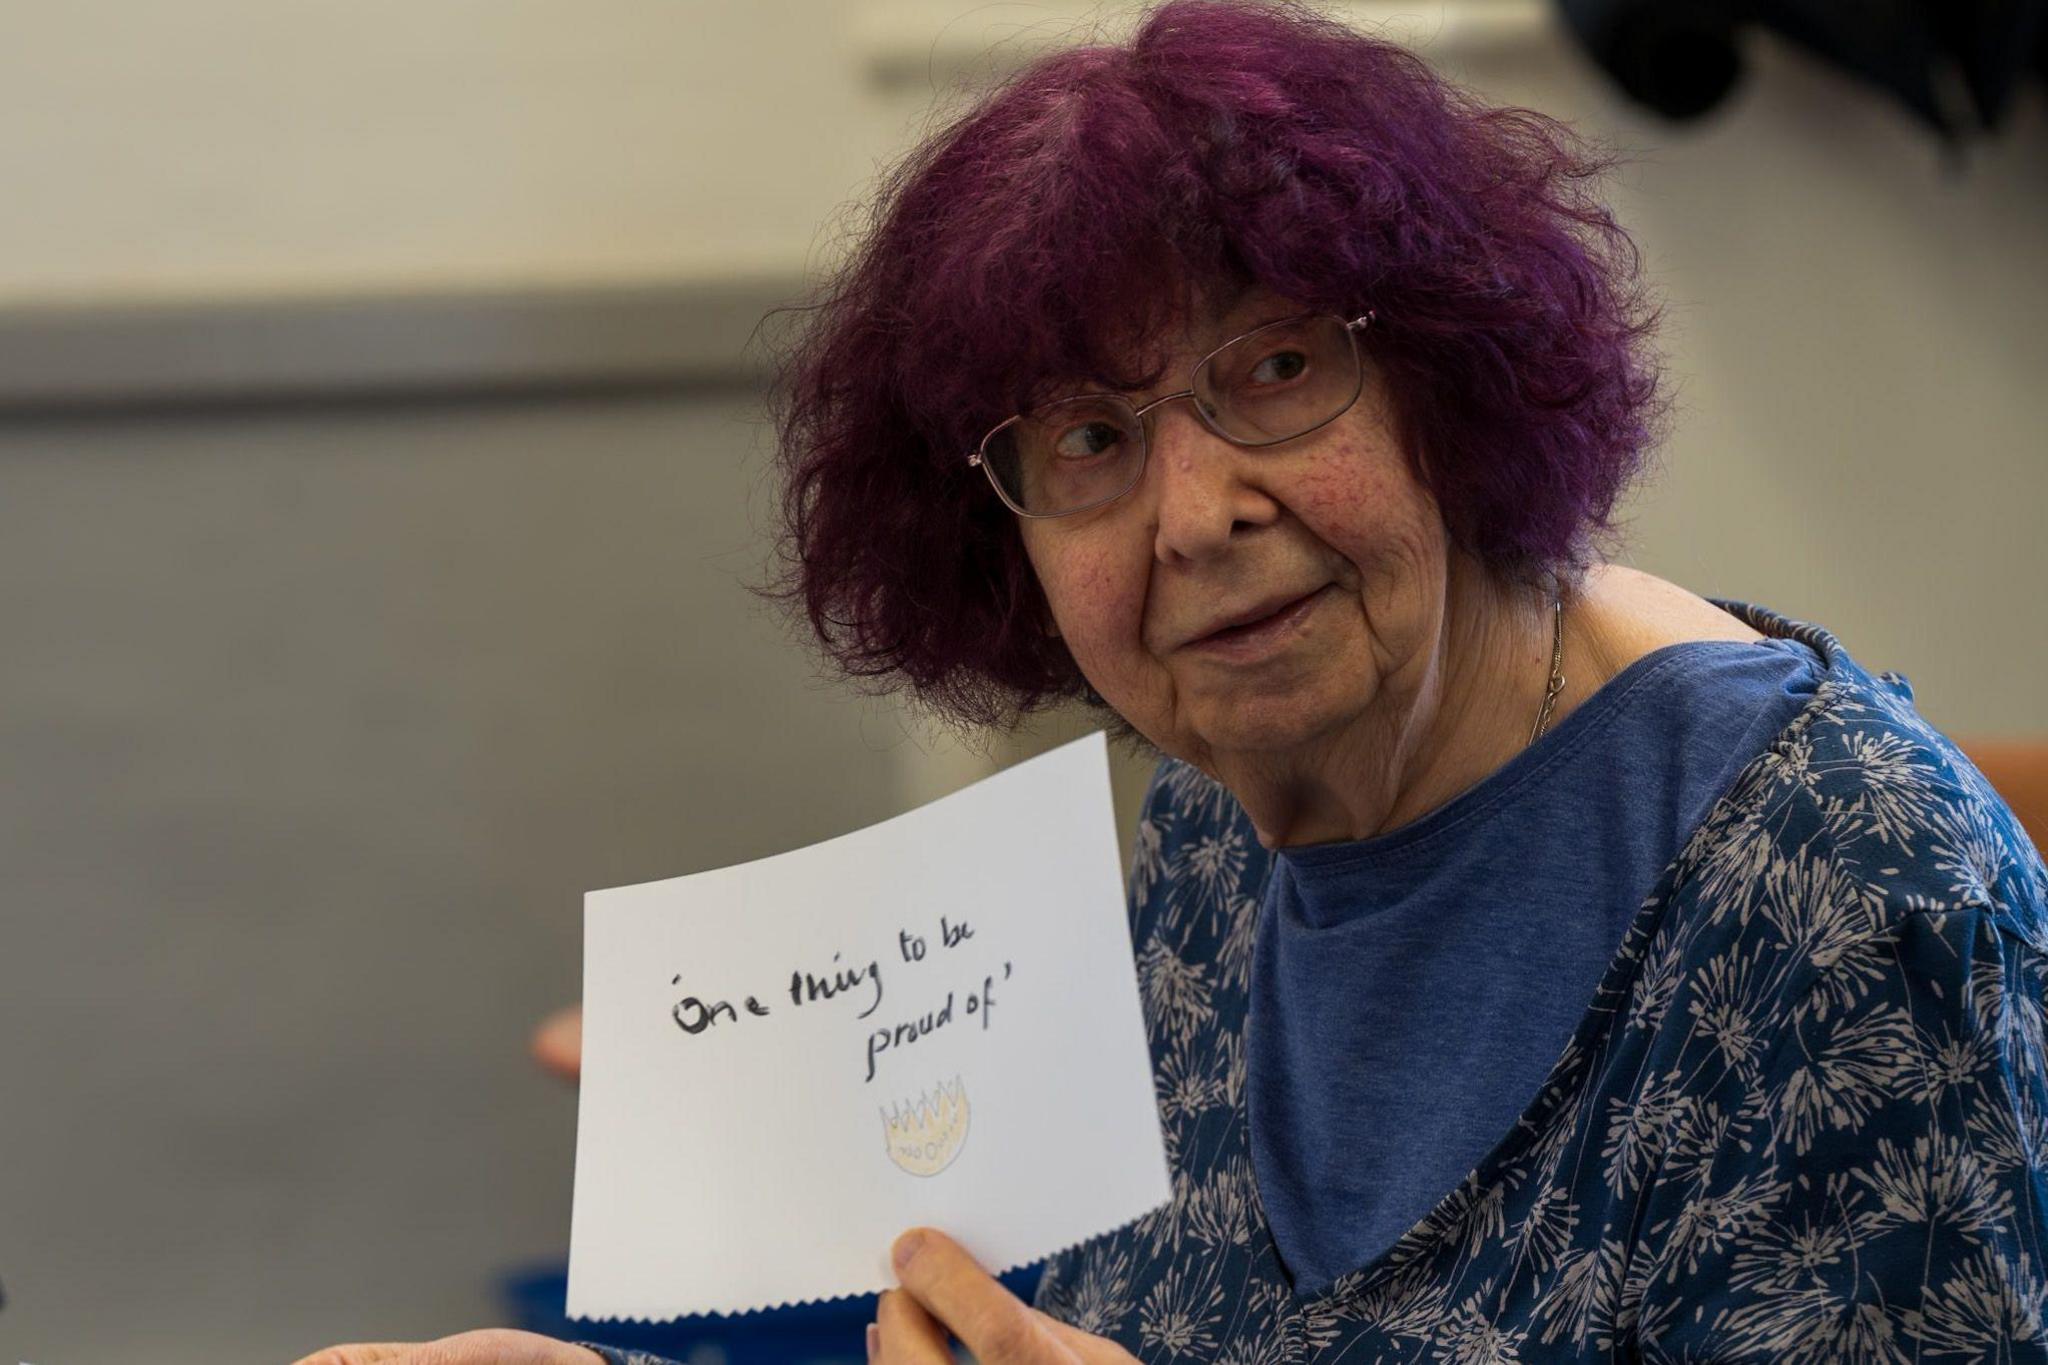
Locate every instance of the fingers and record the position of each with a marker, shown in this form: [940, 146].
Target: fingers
[907, 1335]
[493, 1346]
[361, 1353]
[994, 1323]
[558, 1043]
[498, 1346]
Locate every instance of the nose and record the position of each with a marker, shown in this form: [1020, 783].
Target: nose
[1200, 493]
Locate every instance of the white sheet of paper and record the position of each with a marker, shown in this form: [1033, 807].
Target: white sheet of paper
[731, 1157]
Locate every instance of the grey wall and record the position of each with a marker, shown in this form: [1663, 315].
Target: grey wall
[315, 725]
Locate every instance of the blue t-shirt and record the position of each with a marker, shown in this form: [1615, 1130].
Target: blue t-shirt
[1410, 992]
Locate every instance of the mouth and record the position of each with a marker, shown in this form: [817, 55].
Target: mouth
[1261, 625]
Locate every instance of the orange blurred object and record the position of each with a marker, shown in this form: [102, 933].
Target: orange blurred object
[558, 1043]
[2018, 770]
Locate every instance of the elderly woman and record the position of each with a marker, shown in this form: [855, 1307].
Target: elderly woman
[1542, 962]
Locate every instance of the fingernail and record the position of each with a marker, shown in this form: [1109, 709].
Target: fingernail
[906, 1247]
[874, 1340]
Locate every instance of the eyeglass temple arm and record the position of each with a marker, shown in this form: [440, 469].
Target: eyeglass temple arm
[1357, 324]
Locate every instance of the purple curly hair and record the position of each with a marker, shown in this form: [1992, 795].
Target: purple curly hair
[1102, 192]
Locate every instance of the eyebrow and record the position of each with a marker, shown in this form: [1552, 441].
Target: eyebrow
[1231, 304]
[1222, 336]
[1214, 318]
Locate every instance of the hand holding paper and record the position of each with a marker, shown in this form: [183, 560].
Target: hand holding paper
[946, 1294]
[931, 1021]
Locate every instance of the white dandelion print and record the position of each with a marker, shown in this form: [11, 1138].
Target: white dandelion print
[1178, 1317]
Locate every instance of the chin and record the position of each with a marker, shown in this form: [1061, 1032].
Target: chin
[1269, 723]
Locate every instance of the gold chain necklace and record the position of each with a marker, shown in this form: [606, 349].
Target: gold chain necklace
[1556, 675]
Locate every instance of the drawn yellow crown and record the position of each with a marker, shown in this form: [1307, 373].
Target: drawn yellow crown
[924, 1135]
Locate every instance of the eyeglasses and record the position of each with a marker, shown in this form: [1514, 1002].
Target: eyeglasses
[1269, 385]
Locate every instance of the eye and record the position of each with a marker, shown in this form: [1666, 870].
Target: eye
[1279, 367]
[1087, 440]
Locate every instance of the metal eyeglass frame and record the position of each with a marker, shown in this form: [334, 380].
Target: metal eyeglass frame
[979, 455]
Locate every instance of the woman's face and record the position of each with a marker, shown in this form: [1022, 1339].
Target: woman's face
[1326, 539]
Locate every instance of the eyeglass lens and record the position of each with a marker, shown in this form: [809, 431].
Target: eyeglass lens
[1268, 386]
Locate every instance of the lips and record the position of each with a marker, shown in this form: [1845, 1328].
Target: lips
[1251, 616]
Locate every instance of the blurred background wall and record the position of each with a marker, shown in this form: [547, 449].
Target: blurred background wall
[381, 468]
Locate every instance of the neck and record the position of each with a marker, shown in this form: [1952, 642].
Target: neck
[1440, 722]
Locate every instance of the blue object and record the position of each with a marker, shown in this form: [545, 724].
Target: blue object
[806, 1334]
[1409, 992]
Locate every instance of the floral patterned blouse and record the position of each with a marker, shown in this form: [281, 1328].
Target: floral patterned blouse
[1804, 1118]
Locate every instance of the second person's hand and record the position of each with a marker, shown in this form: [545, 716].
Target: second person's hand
[557, 1044]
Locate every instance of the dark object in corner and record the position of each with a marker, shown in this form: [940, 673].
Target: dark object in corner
[1956, 64]
[1678, 58]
